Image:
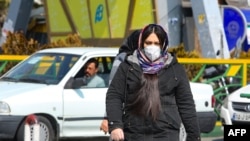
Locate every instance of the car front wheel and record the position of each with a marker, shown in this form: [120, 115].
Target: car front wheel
[44, 131]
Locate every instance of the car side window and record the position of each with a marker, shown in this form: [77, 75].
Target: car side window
[105, 66]
[96, 77]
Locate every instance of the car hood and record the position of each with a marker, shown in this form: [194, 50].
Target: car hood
[235, 96]
[9, 89]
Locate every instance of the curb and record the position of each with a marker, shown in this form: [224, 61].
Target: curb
[216, 132]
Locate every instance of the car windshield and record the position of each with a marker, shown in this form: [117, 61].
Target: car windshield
[45, 68]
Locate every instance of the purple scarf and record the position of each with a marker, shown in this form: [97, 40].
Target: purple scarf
[148, 66]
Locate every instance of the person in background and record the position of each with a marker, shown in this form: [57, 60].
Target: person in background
[128, 46]
[150, 95]
[90, 74]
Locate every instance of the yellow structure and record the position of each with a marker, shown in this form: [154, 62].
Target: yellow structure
[98, 22]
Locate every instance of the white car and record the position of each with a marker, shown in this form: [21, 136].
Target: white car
[43, 90]
[236, 107]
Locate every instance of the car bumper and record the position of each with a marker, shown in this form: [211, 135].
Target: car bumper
[225, 116]
[207, 121]
[9, 125]
[226, 119]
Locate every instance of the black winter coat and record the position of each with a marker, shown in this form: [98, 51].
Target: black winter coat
[176, 101]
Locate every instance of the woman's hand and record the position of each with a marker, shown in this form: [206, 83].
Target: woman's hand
[104, 126]
[117, 135]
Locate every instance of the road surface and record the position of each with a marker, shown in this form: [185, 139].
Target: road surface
[220, 138]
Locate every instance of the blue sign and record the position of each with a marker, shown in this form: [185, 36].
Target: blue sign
[99, 13]
[234, 25]
[246, 12]
[246, 43]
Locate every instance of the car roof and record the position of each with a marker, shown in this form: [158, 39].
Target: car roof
[80, 50]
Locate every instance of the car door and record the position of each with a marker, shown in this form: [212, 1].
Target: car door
[84, 108]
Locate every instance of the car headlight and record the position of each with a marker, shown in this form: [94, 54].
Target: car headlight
[225, 102]
[4, 107]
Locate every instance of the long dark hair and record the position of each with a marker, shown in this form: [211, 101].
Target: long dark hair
[146, 102]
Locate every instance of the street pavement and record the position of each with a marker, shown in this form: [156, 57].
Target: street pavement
[215, 135]
[220, 138]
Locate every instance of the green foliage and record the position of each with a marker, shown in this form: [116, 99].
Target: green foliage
[17, 44]
[191, 69]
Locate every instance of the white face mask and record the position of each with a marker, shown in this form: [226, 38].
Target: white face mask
[152, 52]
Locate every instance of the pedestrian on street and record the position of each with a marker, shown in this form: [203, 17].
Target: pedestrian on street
[150, 95]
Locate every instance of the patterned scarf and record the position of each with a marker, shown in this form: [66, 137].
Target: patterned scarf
[148, 66]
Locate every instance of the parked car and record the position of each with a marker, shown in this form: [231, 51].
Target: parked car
[45, 85]
[236, 107]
